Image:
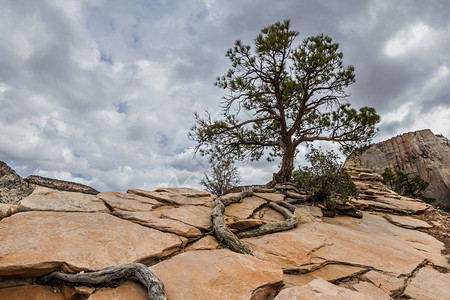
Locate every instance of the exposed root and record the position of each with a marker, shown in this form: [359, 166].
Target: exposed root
[154, 286]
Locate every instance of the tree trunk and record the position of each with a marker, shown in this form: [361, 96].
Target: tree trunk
[287, 166]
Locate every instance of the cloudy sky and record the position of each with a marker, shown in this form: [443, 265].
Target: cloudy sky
[103, 92]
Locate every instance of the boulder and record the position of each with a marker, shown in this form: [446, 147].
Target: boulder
[45, 199]
[207, 243]
[218, 274]
[36, 243]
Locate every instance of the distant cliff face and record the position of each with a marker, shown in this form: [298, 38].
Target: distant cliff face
[12, 187]
[419, 152]
[61, 185]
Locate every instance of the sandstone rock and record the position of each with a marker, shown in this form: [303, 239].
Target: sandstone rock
[36, 243]
[12, 187]
[170, 196]
[308, 214]
[197, 216]
[152, 220]
[370, 290]
[271, 196]
[30, 292]
[53, 200]
[207, 243]
[319, 289]
[269, 215]
[61, 185]
[186, 192]
[388, 284]
[391, 204]
[84, 290]
[218, 274]
[7, 209]
[429, 284]
[365, 242]
[419, 152]
[407, 222]
[69, 293]
[129, 202]
[331, 273]
[129, 290]
[245, 208]
[244, 224]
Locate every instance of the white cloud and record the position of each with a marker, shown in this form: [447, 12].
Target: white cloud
[415, 38]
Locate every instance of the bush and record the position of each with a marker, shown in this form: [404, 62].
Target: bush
[325, 181]
[220, 178]
[406, 184]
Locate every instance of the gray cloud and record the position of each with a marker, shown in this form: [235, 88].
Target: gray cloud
[104, 93]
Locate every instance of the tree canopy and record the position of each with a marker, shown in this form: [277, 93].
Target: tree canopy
[279, 96]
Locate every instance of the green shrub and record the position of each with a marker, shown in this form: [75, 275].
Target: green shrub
[406, 184]
[325, 180]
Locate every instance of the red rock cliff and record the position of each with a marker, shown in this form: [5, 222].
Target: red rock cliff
[419, 152]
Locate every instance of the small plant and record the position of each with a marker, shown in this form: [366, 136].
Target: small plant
[221, 177]
[326, 180]
[406, 184]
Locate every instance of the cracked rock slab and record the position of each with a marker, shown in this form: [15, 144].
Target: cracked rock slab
[245, 208]
[173, 197]
[370, 241]
[387, 283]
[401, 205]
[197, 216]
[129, 290]
[429, 284]
[152, 220]
[218, 274]
[319, 289]
[45, 199]
[407, 222]
[36, 243]
[129, 202]
[370, 290]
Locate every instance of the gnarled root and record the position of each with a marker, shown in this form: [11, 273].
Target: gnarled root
[154, 285]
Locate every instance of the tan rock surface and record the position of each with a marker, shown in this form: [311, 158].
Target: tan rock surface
[35, 243]
[370, 290]
[329, 273]
[129, 202]
[7, 209]
[152, 220]
[429, 284]
[271, 196]
[207, 243]
[129, 290]
[218, 274]
[388, 284]
[245, 208]
[267, 214]
[170, 197]
[244, 224]
[397, 205]
[45, 199]
[407, 222]
[368, 242]
[30, 292]
[197, 216]
[319, 289]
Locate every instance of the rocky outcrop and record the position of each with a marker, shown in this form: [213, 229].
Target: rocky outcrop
[12, 187]
[385, 254]
[61, 185]
[419, 152]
